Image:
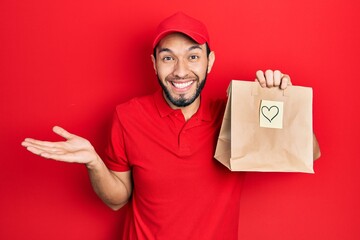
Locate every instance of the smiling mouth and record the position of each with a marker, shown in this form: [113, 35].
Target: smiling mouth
[181, 85]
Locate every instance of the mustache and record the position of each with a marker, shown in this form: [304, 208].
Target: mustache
[177, 78]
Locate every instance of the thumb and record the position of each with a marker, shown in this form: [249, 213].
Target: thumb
[62, 132]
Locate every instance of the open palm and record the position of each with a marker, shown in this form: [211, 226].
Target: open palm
[75, 149]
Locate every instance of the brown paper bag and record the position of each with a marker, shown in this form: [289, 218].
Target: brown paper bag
[267, 129]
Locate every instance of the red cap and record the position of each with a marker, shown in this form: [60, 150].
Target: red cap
[182, 23]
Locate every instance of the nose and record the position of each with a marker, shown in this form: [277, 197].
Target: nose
[181, 69]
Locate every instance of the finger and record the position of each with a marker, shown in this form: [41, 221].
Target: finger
[40, 148]
[38, 143]
[261, 78]
[62, 132]
[38, 151]
[285, 81]
[289, 79]
[43, 148]
[277, 78]
[54, 154]
[34, 150]
[269, 76]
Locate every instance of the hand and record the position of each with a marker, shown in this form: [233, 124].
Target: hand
[273, 79]
[74, 150]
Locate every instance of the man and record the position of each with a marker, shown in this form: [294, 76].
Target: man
[160, 153]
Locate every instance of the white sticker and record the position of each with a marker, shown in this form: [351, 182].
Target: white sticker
[271, 114]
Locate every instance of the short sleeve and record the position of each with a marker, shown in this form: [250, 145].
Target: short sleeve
[115, 153]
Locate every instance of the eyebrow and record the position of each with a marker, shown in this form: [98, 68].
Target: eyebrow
[170, 51]
[195, 47]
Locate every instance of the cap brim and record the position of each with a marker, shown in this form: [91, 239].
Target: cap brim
[194, 36]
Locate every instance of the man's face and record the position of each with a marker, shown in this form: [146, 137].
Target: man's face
[181, 66]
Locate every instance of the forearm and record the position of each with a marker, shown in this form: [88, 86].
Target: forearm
[113, 189]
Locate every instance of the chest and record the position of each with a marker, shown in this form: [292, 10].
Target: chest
[171, 155]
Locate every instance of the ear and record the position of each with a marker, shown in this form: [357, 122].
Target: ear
[154, 63]
[211, 61]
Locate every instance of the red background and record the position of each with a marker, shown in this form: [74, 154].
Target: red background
[68, 63]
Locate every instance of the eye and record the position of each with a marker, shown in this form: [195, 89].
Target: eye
[167, 58]
[194, 57]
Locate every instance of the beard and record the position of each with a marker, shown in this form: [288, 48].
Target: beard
[182, 101]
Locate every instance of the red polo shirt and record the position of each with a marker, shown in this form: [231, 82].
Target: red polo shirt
[179, 191]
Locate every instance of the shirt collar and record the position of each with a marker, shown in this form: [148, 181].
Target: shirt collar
[203, 113]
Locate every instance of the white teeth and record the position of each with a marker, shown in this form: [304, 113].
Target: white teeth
[182, 85]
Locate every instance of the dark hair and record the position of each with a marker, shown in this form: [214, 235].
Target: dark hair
[208, 51]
